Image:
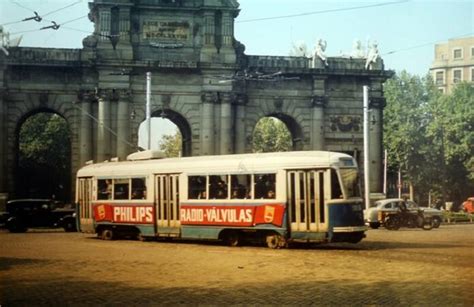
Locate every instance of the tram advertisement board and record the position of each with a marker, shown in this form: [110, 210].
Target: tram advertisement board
[228, 215]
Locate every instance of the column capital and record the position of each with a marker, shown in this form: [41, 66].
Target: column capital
[240, 99]
[226, 97]
[377, 102]
[319, 101]
[86, 95]
[209, 97]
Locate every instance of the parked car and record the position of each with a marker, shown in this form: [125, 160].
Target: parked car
[468, 205]
[372, 215]
[30, 213]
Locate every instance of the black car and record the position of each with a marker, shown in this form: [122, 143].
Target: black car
[30, 213]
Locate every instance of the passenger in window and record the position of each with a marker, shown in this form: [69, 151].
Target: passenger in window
[270, 194]
[105, 189]
[202, 195]
[221, 190]
[137, 194]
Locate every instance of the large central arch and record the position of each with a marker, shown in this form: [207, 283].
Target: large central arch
[183, 126]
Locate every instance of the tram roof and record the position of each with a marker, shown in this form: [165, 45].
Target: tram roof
[220, 164]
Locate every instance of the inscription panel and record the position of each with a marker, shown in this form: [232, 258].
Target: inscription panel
[168, 31]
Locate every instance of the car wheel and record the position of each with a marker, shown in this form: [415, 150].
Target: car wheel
[69, 226]
[374, 225]
[428, 224]
[392, 223]
[436, 222]
[15, 226]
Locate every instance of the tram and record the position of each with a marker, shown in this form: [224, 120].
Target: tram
[274, 198]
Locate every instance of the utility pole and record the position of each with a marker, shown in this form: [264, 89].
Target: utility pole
[148, 108]
[366, 147]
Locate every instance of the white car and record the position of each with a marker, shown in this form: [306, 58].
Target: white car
[371, 215]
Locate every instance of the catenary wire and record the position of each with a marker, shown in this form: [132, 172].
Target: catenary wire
[322, 12]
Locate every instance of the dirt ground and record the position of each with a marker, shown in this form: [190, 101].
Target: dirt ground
[405, 267]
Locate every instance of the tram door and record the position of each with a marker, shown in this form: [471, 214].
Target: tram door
[306, 201]
[84, 199]
[167, 205]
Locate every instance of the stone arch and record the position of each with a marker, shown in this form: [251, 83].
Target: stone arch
[18, 121]
[182, 123]
[295, 129]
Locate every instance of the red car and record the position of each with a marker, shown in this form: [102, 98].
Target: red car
[468, 205]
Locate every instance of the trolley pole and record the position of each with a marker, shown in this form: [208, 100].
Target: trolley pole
[148, 108]
[366, 147]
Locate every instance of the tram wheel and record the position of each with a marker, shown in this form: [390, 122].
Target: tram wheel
[107, 234]
[275, 241]
[233, 238]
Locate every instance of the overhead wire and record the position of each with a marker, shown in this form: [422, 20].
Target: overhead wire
[322, 11]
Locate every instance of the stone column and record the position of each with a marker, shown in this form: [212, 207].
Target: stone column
[103, 132]
[123, 126]
[226, 124]
[207, 123]
[3, 143]
[209, 44]
[317, 139]
[240, 137]
[85, 133]
[318, 102]
[376, 106]
[227, 48]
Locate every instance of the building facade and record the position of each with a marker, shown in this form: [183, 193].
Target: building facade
[453, 63]
[202, 81]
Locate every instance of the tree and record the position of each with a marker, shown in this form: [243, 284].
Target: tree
[429, 136]
[171, 144]
[271, 135]
[44, 157]
[451, 130]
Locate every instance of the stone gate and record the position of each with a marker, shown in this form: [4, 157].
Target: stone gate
[202, 80]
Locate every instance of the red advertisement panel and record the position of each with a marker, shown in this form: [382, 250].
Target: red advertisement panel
[142, 214]
[225, 215]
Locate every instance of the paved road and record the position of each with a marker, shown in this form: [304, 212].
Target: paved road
[405, 267]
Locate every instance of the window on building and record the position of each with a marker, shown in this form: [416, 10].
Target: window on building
[472, 74]
[457, 53]
[439, 77]
[457, 75]
[472, 52]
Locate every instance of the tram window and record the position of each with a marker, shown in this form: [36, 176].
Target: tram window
[138, 188]
[218, 186]
[121, 188]
[240, 186]
[104, 190]
[336, 191]
[265, 186]
[197, 187]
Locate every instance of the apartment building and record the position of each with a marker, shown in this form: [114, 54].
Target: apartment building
[453, 63]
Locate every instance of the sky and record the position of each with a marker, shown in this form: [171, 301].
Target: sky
[406, 30]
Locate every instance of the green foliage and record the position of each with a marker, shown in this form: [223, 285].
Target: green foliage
[271, 135]
[171, 144]
[429, 136]
[44, 157]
